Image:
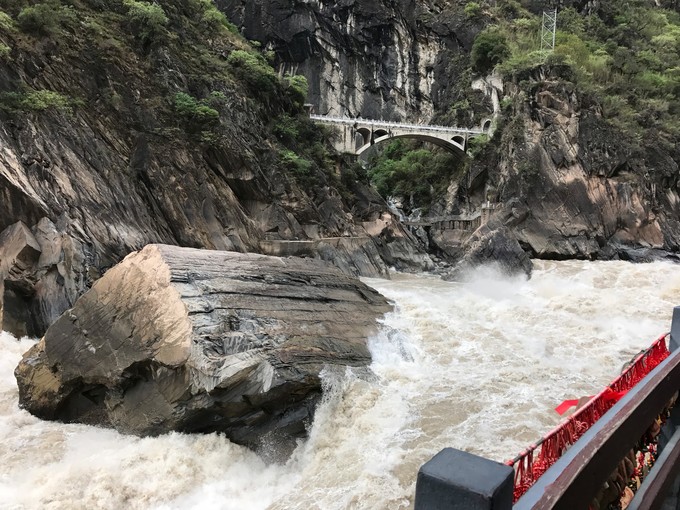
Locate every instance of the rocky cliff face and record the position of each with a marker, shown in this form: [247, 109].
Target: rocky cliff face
[382, 60]
[576, 186]
[579, 187]
[97, 160]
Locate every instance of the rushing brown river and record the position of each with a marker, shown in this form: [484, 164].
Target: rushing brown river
[477, 365]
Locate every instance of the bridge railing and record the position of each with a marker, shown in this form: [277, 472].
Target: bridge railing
[395, 125]
[532, 463]
[575, 478]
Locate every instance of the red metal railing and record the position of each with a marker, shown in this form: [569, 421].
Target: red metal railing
[531, 464]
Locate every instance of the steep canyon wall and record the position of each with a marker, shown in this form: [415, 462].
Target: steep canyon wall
[573, 185]
[387, 59]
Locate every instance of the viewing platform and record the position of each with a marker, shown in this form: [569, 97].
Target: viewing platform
[585, 462]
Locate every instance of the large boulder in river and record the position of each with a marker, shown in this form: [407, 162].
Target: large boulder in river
[196, 340]
[492, 246]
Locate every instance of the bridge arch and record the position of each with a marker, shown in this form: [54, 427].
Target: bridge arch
[379, 133]
[362, 137]
[358, 135]
[454, 146]
[460, 140]
[486, 125]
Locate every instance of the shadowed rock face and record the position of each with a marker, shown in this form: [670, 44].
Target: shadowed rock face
[195, 340]
[379, 59]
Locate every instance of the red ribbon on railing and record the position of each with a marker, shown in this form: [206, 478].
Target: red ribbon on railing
[565, 406]
[530, 464]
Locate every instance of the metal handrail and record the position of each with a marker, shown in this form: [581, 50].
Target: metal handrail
[575, 478]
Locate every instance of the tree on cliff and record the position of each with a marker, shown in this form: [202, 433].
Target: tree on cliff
[489, 49]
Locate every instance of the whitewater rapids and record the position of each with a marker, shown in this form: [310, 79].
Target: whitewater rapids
[477, 365]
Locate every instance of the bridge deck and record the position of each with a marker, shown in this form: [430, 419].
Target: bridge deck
[396, 125]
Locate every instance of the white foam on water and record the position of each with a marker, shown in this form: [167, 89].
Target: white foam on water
[477, 365]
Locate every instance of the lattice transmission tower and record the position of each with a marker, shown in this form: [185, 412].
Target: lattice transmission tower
[549, 30]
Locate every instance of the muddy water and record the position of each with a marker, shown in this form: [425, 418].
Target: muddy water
[477, 365]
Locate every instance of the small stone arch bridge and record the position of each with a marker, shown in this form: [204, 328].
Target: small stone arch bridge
[358, 135]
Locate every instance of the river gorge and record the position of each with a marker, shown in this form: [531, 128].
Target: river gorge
[477, 365]
[198, 125]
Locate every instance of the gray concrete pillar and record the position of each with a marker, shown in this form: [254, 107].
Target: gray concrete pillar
[674, 342]
[457, 480]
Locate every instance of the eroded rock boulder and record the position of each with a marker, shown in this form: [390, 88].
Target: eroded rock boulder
[497, 246]
[198, 341]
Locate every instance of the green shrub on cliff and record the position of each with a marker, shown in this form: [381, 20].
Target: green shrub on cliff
[196, 116]
[477, 144]
[40, 19]
[36, 101]
[300, 166]
[147, 21]
[211, 17]
[6, 22]
[287, 129]
[187, 106]
[254, 70]
[472, 9]
[297, 88]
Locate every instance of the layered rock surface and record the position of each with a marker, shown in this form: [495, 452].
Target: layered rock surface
[383, 59]
[42, 272]
[569, 184]
[588, 190]
[196, 340]
[121, 168]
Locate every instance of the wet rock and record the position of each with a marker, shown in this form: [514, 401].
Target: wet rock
[19, 252]
[42, 272]
[492, 246]
[199, 341]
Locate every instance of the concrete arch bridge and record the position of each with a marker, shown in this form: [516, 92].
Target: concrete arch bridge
[358, 135]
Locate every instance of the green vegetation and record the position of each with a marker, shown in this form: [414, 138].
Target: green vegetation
[417, 175]
[6, 22]
[147, 21]
[36, 101]
[477, 144]
[5, 51]
[210, 17]
[196, 116]
[472, 9]
[37, 19]
[490, 48]
[297, 87]
[299, 166]
[254, 70]
[623, 56]
[308, 157]
[42, 19]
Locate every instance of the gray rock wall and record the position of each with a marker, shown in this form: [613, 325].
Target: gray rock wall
[382, 60]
